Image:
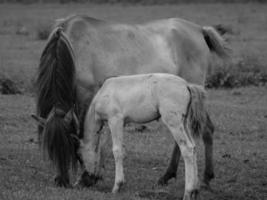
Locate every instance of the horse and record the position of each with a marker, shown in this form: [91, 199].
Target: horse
[81, 52]
[141, 99]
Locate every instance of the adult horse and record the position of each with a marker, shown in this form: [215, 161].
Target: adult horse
[81, 52]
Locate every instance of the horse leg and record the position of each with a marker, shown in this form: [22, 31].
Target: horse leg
[116, 128]
[173, 165]
[207, 137]
[188, 151]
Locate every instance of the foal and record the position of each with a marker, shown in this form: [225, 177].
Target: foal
[141, 99]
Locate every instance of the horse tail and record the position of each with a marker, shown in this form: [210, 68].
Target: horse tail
[215, 41]
[56, 97]
[196, 112]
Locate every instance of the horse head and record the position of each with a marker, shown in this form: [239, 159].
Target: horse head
[60, 140]
[69, 118]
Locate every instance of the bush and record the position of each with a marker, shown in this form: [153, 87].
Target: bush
[7, 86]
[244, 72]
[43, 30]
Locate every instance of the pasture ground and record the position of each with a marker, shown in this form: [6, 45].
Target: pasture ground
[240, 115]
[240, 154]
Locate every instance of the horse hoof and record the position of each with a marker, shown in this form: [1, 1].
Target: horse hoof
[163, 181]
[62, 182]
[208, 176]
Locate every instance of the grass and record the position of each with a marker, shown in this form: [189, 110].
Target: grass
[239, 114]
[239, 154]
[243, 72]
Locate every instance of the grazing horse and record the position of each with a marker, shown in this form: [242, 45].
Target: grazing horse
[140, 99]
[82, 52]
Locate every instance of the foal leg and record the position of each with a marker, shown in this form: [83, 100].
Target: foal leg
[116, 128]
[207, 137]
[188, 151]
[173, 165]
[103, 147]
[208, 144]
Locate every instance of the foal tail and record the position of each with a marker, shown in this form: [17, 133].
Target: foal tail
[196, 112]
[215, 42]
[56, 97]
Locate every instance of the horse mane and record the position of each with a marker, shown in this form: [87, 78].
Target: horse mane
[56, 90]
[55, 82]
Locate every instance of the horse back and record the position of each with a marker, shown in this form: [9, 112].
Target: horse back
[110, 49]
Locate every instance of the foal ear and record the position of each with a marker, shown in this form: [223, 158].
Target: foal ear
[68, 116]
[40, 120]
[76, 121]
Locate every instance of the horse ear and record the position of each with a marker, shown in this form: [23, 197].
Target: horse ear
[68, 116]
[40, 120]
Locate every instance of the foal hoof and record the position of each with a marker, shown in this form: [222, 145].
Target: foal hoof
[88, 180]
[62, 182]
[117, 187]
[193, 195]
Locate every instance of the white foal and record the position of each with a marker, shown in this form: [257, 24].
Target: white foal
[140, 99]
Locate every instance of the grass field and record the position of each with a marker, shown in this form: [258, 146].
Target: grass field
[240, 115]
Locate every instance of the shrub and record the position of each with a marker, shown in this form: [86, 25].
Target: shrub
[8, 86]
[43, 30]
[244, 72]
[22, 30]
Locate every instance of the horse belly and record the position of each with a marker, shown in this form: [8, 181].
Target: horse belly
[143, 114]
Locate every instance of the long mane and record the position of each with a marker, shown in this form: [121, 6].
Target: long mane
[56, 95]
[55, 83]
